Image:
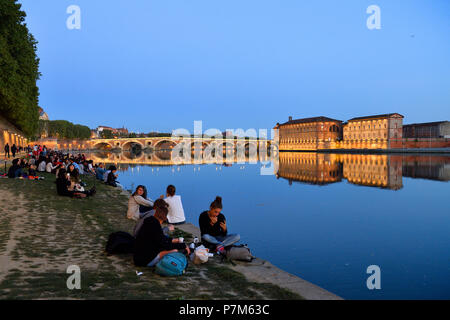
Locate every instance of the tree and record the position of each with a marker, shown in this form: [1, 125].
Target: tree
[63, 129]
[106, 134]
[19, 69]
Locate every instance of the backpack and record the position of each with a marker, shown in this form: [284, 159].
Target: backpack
[172, 264]
[120, 242]
[239, 252]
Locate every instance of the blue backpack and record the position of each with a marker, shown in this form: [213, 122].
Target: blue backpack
[172, 264]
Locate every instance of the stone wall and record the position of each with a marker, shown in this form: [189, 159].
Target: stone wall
[424, 143]
[11, 135]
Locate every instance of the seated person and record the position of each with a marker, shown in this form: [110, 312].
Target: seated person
[112, 178]
[15, 170]
[75, 185]
[160, 204]
[213, 227]
[151, 244]
[32, 170]
[63, 184]
[76, 166]
[50, 167]
[41, 166]
[89, 167]
[176, 211]
[138, 199]
[100, 171]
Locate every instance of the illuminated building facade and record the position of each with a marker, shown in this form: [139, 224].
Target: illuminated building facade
[383, 131]
[309, 134]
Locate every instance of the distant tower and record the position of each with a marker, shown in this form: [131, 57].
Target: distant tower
[42, 114]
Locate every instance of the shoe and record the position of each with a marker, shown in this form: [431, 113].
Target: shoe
[220, 250]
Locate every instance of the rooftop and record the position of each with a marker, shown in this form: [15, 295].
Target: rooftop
[386, 115]
[425, 123]
[307, 120]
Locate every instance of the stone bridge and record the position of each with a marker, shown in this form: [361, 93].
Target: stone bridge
[163, 158]
[168, 143]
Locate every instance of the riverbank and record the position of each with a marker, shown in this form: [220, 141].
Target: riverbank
[41, 234]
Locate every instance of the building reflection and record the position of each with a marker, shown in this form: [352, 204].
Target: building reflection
[382, 171]
[312, 168]
[427, 167]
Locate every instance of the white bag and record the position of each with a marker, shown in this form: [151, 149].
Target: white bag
[201, 255]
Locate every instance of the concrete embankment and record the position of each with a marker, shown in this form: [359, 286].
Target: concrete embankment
[263, 271]
[445, 151]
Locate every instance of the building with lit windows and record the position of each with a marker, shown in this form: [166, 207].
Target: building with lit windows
[309, 134]
[382, 131]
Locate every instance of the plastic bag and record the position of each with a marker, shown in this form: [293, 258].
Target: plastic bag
[201, 255]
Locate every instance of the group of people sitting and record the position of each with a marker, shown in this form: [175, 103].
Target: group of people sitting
[21, 168]
[67, 168]
[108, 176]
[152, 239]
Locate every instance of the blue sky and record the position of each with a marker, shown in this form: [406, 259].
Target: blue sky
[159, 65]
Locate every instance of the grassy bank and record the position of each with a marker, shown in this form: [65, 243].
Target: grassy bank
[41, 234]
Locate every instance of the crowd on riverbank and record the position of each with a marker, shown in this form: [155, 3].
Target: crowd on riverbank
[151, 242]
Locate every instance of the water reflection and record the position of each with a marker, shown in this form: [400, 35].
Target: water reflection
[164, 158]
[383, 171]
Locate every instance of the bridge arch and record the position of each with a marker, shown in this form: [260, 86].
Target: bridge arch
[133, 156]
[165, 144]
[103, 146]
[129, 145]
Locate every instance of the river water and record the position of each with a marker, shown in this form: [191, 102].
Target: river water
[325, 217]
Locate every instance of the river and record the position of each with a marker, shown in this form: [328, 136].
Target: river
[325, 217]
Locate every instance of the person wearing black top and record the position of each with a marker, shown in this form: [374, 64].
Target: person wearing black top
[213, 227]
[7, 150]
[13, 150]
[63, 183]
[151, 245]
[15, 170]
[112, 177]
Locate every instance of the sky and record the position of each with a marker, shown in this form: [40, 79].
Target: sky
[161, 65]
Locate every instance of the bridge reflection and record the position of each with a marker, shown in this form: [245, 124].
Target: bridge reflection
[383, 171]
[168, 158]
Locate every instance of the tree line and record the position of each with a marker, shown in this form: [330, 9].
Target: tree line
[19, 67]
[63, 129]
